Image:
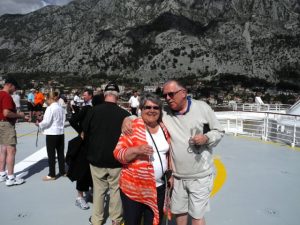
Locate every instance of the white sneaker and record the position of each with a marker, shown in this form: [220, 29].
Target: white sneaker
[81, 203]
[3, 177]
[14, 181]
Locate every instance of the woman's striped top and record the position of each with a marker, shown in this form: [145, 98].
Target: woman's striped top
[137, 179]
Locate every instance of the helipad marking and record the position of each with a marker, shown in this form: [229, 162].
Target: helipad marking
[221, 176]
[42, 154]
[30, 161]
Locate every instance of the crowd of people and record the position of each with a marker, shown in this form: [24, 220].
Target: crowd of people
[154, 160]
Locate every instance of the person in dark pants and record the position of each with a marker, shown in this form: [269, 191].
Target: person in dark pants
[134, 210]
[144, 155]
[52, 126]
[79, 168]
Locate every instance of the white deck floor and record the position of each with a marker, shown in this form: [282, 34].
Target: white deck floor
[262, 186]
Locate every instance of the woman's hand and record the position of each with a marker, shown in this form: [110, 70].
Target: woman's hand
[141, 152]
[144, 150]
[82, 135]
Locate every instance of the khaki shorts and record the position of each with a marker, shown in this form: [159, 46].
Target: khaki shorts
[8, 134]
[192, 196]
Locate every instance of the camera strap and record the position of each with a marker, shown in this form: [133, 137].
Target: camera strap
[162, 169]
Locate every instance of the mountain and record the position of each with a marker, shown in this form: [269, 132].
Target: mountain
[152, 40]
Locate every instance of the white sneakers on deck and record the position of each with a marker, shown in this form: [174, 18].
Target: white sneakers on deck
[3, 177]
[11, 181]
[81, 203]
[14, 181]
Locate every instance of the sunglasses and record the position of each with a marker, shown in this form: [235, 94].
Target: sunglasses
[171, 94]
[151, 107]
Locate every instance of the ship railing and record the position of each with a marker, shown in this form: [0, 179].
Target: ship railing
[269, 126]
[253, 107]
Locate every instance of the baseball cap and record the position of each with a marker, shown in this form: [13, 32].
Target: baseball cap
[112, 87]
[13, 82]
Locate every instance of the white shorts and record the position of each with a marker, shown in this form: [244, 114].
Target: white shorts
[192, 196]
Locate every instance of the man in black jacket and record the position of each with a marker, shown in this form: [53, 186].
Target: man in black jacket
[102, 129]
[79, 169]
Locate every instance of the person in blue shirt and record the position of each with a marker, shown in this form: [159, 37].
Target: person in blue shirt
[30, 103]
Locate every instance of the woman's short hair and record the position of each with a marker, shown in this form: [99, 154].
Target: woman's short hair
[148, 96]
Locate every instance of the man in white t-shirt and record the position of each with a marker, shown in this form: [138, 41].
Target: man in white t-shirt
[76, 103]
[134, 103]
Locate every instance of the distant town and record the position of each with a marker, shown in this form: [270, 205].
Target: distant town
[220, 92]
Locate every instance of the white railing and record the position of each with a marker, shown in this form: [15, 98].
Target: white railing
[278, 127]
[254, 107]
[262, 107]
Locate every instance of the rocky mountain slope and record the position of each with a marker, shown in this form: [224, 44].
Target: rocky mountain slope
[153, 40]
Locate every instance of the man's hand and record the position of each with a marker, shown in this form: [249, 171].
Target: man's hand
[199, 139]
[171, 182]
[26, 118]
[21, 115]
[127, 126]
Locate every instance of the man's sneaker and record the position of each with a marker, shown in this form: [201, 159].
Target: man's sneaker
[3, 177]
[14, 181]
[90, 220]
[81, 203]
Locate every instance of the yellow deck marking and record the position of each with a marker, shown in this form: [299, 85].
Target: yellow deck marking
[220, 176]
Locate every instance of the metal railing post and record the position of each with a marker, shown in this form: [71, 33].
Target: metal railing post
[228, 125]
[263, 133]
[294, 133]
[266, 126]
[236, 124]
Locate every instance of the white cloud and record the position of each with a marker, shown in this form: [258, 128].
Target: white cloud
[26, 6]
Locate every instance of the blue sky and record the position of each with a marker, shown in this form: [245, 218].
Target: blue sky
[26, 6]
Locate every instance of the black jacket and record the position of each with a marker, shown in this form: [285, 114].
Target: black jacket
[102, 129]
[77, 119]
[76, 154]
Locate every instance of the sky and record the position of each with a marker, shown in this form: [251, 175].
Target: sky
[26, 6]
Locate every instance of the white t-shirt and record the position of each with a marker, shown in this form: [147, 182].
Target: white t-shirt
[163, 148]
[17, 100]
[77, 100]
[134, 101]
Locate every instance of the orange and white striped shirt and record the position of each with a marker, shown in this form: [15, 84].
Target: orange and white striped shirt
[137, 180]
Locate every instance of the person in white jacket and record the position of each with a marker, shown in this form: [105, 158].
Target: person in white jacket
[52, 126]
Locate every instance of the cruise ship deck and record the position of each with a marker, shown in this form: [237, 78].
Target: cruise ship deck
[257, 183]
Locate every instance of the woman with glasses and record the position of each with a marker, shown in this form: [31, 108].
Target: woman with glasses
[144, 156]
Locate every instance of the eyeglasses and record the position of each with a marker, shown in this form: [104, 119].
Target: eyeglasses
[171, 94]
[151, 107]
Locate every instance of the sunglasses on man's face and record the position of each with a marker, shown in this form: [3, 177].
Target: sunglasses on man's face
[151, 107]
[171, 94]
